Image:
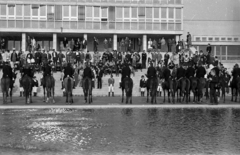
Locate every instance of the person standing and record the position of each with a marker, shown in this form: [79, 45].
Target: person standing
[65, 42]
[154, 44]
[3, 44]
[72, 43]
[139, 45]
[122, 45]
[14, 58]
[110, 44]
[99, 78]
[142, 85]
[84, 44]
[209, 49]
[150, 44]
[35, 86]
[189, 40]
[166, 58]
[95, 44]
[105, 44]
[55, 58]
[78, 58]
[164, 47]
[29, 44]
[82, 57]
[111, 82]
[126, 44]
[169, 45]
[61, 56]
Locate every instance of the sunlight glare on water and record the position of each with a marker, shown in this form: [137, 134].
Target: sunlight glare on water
[121, 131]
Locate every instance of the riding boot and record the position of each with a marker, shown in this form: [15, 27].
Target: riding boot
[21, 94]
[35, 94]
[112, 94]
[108, 94]
[143, 94]
[160, 94]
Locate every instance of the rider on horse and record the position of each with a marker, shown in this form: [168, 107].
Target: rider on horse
[181, 72]
[190, 72]
[126, 72]
[7, 71]
[88, 73]
[68, 71]
[201, 71]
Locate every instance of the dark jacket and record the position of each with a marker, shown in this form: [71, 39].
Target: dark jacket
[16, 56]
[38, 56]
[87, 73]
[142, 83]
[47, 70]
[65, 42]
[151, 72]
[126, 71]
[68, 71]
[181, 72]
[200, 73]
[166, 74]
[55, 56]
[190, 72]
[84, 45]
[236, 72]
[7, 71]
[28, 72]
[144, 56]
[209, 49]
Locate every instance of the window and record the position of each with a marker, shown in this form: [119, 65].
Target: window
[11, 11]
[43, 11]
[104, 14]
[134, 14]
[119, 13]
[126, 13]
[156, 14]
[141, 14]
[89, 13]
[149, 14]
[35, 10]
[27, 11]
[170, 13]
[81, 13]
[19, 11]
[69, 12]
[178, 15]
[3, 10]
[164, 14]
[96, 13]
[50, 12]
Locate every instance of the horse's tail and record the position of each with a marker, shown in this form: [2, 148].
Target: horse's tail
[69, 85]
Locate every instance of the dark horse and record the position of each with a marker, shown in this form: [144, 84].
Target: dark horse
[68, 85]
[87, 89]
[169, 85]
[184, 85]
[7, 88]
[235, 88]
[48, 84]
[27, 86]
[127, 86]
[5, 84]
[224, 80]
[193, 88]
[152, 85]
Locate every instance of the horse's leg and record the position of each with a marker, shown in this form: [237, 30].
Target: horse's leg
[4, 97]
[236, 95]
[122, 95]
[147, 94]
[44, 93]
[164, 95]
[30, 96]
[232, 94]
[53, 95]
[11, 95]
[89, 99]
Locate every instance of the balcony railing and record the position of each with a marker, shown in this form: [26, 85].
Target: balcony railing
[89, 25]
[162, 2]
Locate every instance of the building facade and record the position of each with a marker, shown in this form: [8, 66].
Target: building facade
[49, 21]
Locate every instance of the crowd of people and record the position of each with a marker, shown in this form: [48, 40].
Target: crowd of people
[179, 59]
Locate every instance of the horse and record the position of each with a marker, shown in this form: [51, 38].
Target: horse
[68, 85]
[5, 85]
[27, 87]
[152, 85]
[224, 80]
[127, 86]
[184, 85]
[202, 83]
[87, 89]
[235, 88]
[49, 86]
[166, 86]
[193, 88]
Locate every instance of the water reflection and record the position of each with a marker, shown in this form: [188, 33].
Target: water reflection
[120, 131]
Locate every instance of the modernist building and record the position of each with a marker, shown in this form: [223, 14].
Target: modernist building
[49, 21]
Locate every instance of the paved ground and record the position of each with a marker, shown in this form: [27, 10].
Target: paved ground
[98, 101]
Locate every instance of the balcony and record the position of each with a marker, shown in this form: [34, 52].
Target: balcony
[148, 2]
[89, 25]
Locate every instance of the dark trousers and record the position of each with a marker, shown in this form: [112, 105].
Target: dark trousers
[144, 64]
[213, 96]
[99, 82]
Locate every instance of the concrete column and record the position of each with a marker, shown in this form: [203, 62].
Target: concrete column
[55, 41]
[24, 42]
[85, 36]
[114, 42]
[144, 42]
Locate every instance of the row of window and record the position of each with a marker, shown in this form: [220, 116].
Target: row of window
[90, 13]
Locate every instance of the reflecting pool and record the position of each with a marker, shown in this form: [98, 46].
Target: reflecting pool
[119, 131]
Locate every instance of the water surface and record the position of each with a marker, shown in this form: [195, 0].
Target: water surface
[120, 131]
